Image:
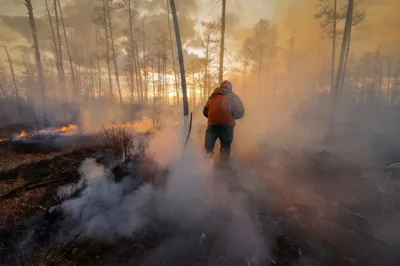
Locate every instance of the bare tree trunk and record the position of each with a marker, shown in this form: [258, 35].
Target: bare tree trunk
[158, 70]
[108, 49]
[346, 59]
[154, 81]
[132, 63]
[53, 36]
[206, 90]
[181, 63]
[98, 62]
[145, 64]
[113, 53]
[340, 72]
[140, 76]
[173, 55]
[39, 65]
[76, 94]
[333, 56]
[29, 73]
[222, 48]
[10, 62]
[3, 86]
[59, 49]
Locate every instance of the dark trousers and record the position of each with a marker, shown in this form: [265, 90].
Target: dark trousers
[225, 136]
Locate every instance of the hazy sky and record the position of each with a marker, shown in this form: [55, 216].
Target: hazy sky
[381, 26]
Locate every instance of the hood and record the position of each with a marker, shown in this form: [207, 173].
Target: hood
[222, 91]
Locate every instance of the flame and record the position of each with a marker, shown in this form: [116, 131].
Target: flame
[67, 128]
[1, 139]
[22, 134]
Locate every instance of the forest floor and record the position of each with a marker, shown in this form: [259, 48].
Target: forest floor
[314, 208]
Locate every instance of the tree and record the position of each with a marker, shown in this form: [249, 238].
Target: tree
[145, 63]
[59, 42]
[100, 16]
[244, 59]
[10, 62]
[222, 47]
[172, 55]
[108, 9]
[68, 52]
[181, 63]
[261, 47]
[99, 91]
[329, 17]
[53, 37]
[210, 41]
[39, 65]
[345, 43]
[132, 63]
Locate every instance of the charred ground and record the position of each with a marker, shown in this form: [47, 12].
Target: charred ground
[312, 208]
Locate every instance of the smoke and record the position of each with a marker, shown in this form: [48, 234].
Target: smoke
[195, 198]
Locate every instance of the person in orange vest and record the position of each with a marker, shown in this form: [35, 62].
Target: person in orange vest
[222, 109]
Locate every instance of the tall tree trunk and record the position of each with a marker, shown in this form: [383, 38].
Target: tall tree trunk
[107, 49]
[3, 86]
[29, 73]
[133, 68]
[53, 37]
[206, 90]
[159, 71]
[173, 55]
[145, 64]
[346, 59]
[222, 48]
[140, 76]
[333, 56]
[345, 41]
[98, 62]
[154, 81]
[39, 65]
[114, 55]
[16, 91]
[74, 90]
[181, 64]
[59, 49]
[340, 72]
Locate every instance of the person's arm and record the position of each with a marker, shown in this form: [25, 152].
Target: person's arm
[205, 109]
[237, 107]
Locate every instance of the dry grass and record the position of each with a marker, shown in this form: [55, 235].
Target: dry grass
[48, 257]
[10, 159]
[122, 142]
[16, 210]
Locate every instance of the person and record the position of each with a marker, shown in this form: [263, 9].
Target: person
[223, 107]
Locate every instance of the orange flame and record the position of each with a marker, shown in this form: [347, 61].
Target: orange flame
[67, 128]
[22, 135]
[1, 140]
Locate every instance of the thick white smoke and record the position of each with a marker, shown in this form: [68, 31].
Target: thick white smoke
[195, 197]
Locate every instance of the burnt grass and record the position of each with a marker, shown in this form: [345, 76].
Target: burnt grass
[303, 187]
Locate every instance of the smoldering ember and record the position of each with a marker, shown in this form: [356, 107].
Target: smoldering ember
[204, 132]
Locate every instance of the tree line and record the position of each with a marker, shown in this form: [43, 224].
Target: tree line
[149, 65]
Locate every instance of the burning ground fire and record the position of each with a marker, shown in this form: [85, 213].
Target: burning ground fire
[139, 126]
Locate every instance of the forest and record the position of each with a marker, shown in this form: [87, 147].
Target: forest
[95, 168]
